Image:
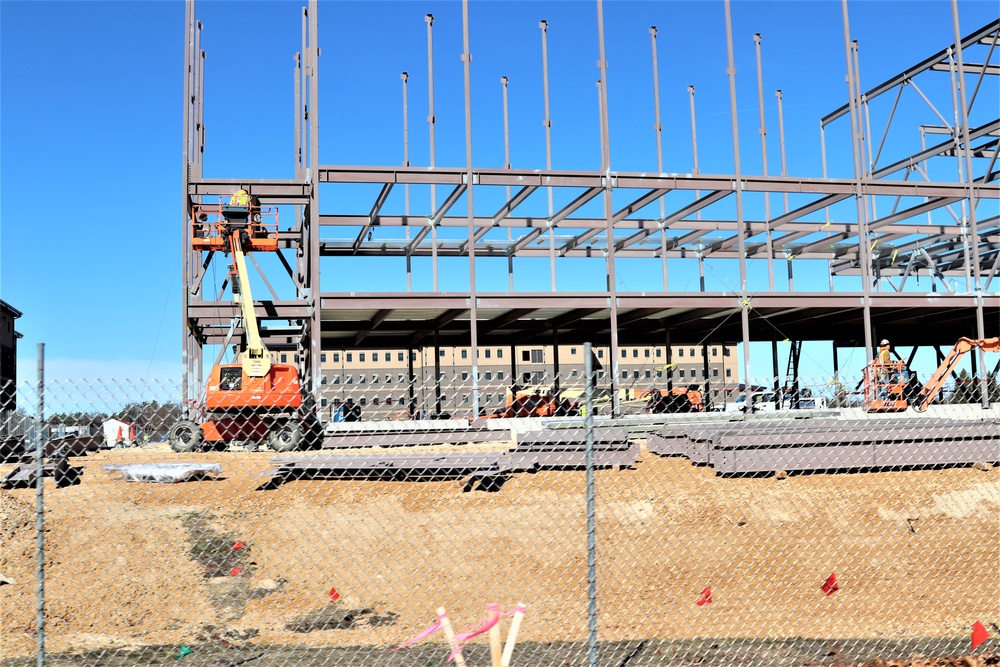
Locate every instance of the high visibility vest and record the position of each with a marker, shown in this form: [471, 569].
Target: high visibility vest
[884, 356]
[240, 198]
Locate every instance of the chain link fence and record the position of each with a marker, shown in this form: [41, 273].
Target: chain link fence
[690, 529]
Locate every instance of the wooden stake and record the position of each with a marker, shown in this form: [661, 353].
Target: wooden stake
[515, 625]
[449, 634]
[495, 645]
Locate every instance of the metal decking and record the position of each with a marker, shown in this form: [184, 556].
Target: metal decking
[833, 444]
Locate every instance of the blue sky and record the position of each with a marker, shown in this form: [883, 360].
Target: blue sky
[90, 128]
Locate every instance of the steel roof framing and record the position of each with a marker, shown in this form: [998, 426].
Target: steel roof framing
[890, 237]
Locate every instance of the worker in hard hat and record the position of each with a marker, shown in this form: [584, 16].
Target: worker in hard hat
[884, 367]
[240, 198]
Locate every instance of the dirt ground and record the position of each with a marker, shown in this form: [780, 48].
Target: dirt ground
[142, 568]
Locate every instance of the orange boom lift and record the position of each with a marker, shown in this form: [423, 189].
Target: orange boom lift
[253, 399]
[937, 380]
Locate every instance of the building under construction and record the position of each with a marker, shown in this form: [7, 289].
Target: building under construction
[885, 242]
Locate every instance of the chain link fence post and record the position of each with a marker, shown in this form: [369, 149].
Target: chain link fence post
[40, 503]
[588, 424]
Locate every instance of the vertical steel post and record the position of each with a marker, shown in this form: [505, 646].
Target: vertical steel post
[40, 503]
[547, 122]
[608, 207]
[781, 138]
[694, 147]
[763, 157]
[738, 185]
[658, 128]
[315, 337]
[977, 284]
[187, 263]
[199, 112]
[588, 425]
[470, 187]
[406, 188]
[431, 120]
[298, 120]
[863, 249]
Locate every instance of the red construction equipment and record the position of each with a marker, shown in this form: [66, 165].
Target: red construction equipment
[536, 402]
[253, 399]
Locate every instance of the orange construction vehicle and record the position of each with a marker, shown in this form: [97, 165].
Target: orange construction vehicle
[937, 380]
[253, 399]
[678, 399]
[885, 386]
[536, 402]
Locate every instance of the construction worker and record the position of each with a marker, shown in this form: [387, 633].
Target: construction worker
[240, 198]
[884, 356]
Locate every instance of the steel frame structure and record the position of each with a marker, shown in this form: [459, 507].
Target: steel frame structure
[887, 239]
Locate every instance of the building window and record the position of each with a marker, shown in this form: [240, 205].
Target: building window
[536, 356]
[725, 351]
[402, 378]
[465, 354]
[635, 353]
[388, 378]
[361, 357]
[659, 374]
[465, 376]
[624, 375]
[375, 358]
[489, 398]
[680, 352]
[349, 360]
[600, 354]
[375, 401]
[573, 373]
[399, 357]
[691, 351]
[635, 374]
[600, 375]
[715, 351]
[465, 399]
[647, 352]
[323, 380]
[649, 373]
[624, 354]
[525, 355]
[363, 401]
[729, 372]
[659, 353]
[322, 358]
[284, 358]
[499, 375]
[388, 400]
[682, 373]
[441, 353]
[336, 379]
[374, 379]
[322, 403]
[572, 351]
[499, 354]
[296, 358]
[487, 352]
[413, 355]
[361, 379]
[489, 375]
[715, 372]
[350, 380]
[336, 357]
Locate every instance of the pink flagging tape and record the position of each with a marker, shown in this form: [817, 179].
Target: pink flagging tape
[423, 635]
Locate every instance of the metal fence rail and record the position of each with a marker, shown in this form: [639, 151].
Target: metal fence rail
[782, 537]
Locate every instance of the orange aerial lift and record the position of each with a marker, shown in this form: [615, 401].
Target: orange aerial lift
[937, 380]
[885, 387]
[253, 399]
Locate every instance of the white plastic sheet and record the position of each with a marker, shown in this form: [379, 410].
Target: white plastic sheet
[164, 473]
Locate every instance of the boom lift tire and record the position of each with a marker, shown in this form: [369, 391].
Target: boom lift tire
[285, 436]
[185, 436]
